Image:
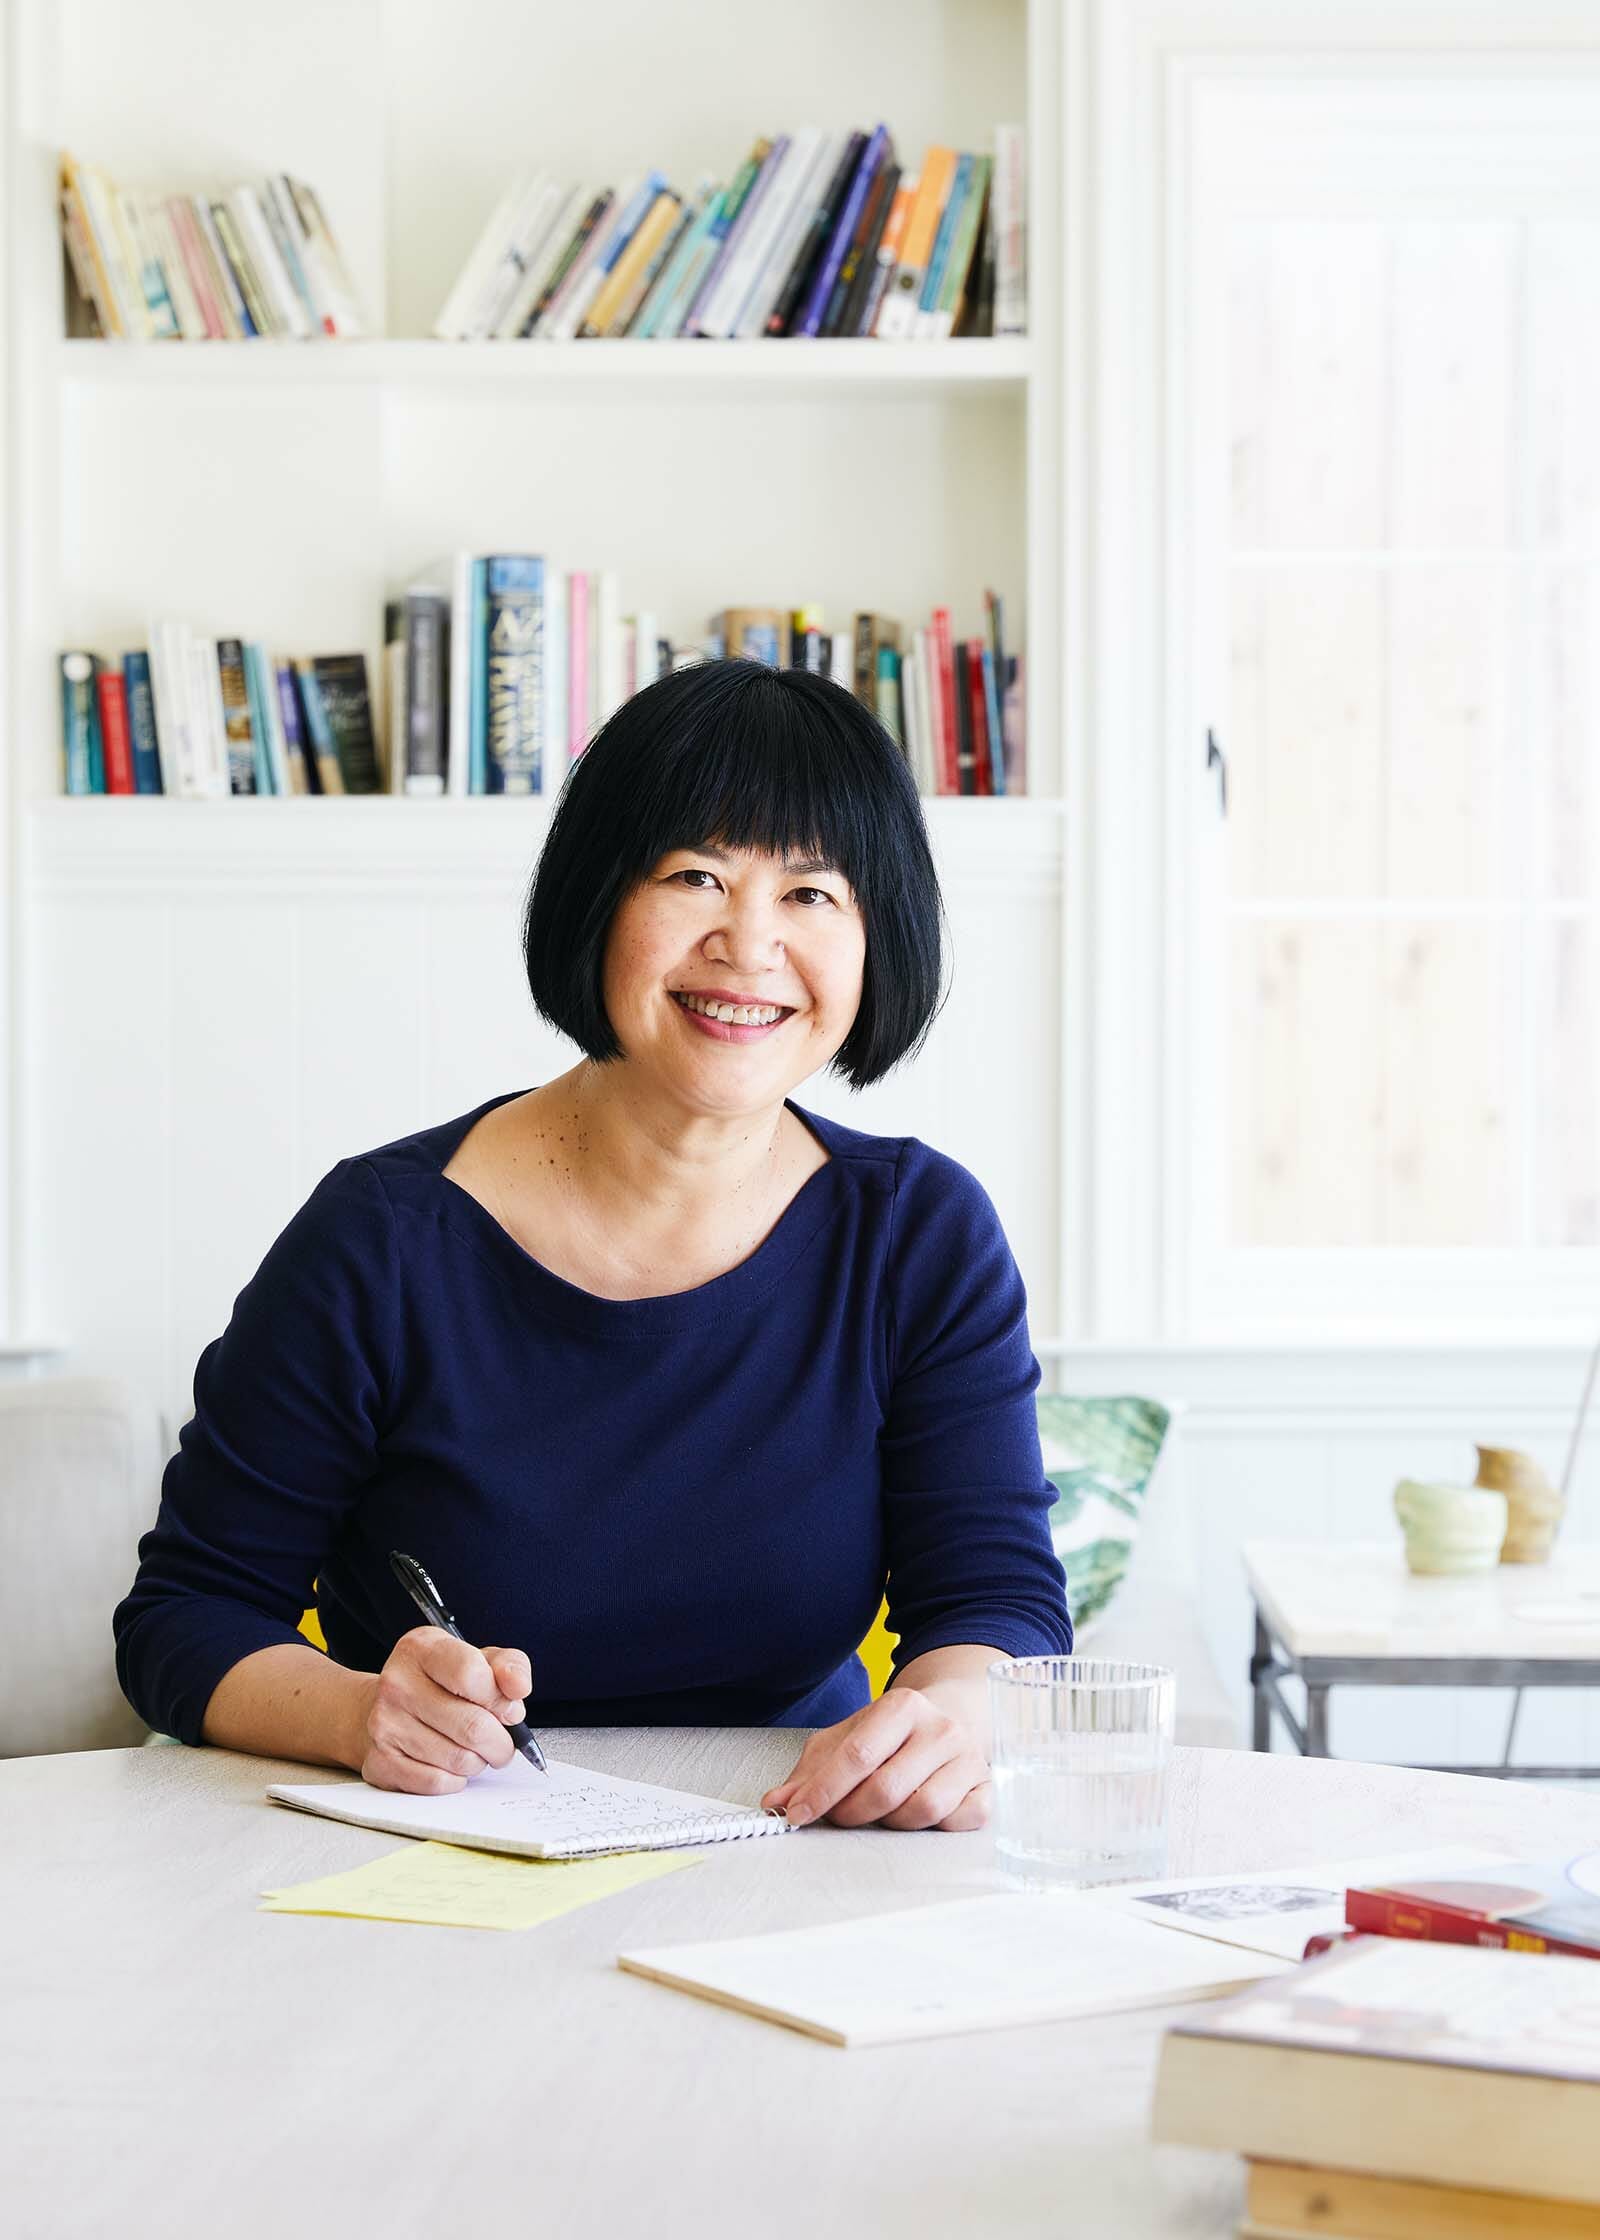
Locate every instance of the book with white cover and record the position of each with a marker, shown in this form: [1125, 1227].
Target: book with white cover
[975, 1964]
[566, 1813]
[471, 281]
[790, 235]
[541, 265]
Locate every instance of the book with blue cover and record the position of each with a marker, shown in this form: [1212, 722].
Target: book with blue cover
[514, 738]
[142, 723]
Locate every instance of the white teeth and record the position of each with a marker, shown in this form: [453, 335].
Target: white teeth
[734, 1014]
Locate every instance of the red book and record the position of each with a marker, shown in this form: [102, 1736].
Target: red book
[114, 740]
[1538, 1906]
[944, 661]
[982, 767]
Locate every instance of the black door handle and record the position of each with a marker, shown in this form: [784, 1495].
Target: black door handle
[1218, 761]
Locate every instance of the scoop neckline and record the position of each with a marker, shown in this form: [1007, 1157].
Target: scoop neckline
[788, 1237]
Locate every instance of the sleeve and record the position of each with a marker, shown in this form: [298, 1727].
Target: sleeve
[288, 1408]
[966, 1500]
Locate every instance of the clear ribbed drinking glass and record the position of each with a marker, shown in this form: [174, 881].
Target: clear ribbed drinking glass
[1081, 1746]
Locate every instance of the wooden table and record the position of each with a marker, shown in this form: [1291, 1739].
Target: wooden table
[1331, 1612]
[177, 2065]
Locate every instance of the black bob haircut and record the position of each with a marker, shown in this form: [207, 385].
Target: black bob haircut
[775, 760]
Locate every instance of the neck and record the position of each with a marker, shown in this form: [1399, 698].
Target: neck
[621, 1145]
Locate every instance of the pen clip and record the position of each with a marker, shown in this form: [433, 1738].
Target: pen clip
[419, 1586]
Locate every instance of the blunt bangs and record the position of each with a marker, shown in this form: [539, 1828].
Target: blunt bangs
[779, 761]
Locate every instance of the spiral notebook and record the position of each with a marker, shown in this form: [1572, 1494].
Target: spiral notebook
[566, 1813]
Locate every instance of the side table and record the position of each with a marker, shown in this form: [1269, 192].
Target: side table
[1331, 1613]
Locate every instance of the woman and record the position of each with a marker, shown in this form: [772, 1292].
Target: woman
[659, 1375]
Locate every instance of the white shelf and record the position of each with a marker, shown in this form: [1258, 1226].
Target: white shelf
[768, 368]
[153, 849]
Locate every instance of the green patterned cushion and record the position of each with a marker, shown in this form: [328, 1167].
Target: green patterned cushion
[1098, 1454]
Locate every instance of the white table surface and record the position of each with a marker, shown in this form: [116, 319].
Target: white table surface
[176, 2064]
[1328, 1598]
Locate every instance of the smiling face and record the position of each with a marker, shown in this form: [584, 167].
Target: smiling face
[732, 975]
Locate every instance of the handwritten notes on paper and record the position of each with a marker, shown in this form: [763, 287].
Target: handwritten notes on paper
[457, 1888]
[562, 1814]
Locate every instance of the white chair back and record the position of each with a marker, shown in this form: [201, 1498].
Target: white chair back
[80, 1469]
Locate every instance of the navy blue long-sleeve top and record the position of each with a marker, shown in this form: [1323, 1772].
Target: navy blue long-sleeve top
[684, 1508]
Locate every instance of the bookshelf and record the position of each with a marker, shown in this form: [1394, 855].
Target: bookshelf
[284, 491]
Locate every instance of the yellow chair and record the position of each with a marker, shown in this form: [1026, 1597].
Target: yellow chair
[876, 1650]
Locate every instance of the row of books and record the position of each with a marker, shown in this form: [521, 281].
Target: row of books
[500, 670]
[1436, 2072]
[955, 704]
[500, 667]
[253, 260]
[497, 671]
[204, 718]
[817, 234]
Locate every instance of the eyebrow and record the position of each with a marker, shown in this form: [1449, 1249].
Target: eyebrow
[790, 863]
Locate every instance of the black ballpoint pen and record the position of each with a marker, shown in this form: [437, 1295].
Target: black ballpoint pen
[430, 1602]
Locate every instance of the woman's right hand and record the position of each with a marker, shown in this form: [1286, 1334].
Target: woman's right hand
[437, 1713]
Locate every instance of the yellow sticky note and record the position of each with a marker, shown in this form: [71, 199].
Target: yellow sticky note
[465, 1889]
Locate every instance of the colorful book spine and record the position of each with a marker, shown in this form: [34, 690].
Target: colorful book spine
[642, 287]
[80, 724]
[652, 319]
[897, 318]
[115, 743]
[248, 281]
[318, 729]
[226, 278]
[668, 323]
[516, 673]
[887, 697]
[1010, 231]
[191, 246]
[958, 270]
[567, 317]
[1014, 725]
[577, 662]
[269, 778]
[875, 153]
[555, 679]
[296, 739]
[1432, 1920]
[723, 298]
[922, 325]
[825, 206]
[142, 723]
[978, 718]
[991, 708]
[725, 231]
[609, 312]
[855, 274]
[342, 678]
[584, 244]
[478, 679]
[944, 679]
[335, 287]
[887, 259]
[236, 717]
[427, 690]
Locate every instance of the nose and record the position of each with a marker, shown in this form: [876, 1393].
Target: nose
[749, 939]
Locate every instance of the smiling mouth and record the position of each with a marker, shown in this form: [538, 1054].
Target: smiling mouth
[732, 1014]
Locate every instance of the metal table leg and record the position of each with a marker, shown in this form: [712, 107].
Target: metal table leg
[1316, 1722]
[1261, 1701]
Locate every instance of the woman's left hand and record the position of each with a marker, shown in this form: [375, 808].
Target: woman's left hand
[902, 1761]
